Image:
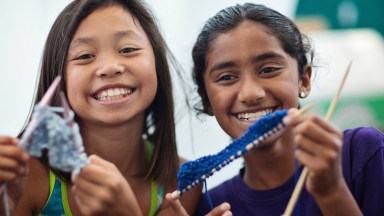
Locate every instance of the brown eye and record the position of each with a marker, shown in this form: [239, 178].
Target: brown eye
[128, 50]
[85, 57]
[226, 78]
[269, 70]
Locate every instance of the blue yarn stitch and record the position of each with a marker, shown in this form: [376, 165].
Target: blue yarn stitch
[194, 172]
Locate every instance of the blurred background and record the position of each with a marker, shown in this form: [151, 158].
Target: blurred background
[341, 31]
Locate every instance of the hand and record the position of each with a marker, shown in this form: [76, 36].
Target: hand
[13, 166]
[13, 160]
[319, 149]
[221, 210]
[100, 189]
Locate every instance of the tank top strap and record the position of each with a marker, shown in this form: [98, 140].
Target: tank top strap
[157, 191]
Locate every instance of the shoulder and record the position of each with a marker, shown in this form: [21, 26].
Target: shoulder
[36, 190]
[363, 167]
[362, 146]
[364, 135]
[363, 141]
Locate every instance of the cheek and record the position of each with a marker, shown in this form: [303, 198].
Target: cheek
[219, 100]
[75, 84]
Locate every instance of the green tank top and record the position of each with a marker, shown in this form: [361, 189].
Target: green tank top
[57, 203]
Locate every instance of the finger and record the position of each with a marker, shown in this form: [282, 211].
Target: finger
[308, 160]
[83, 206]
[316, 149]
[222, 209]
[313, 130]
[8, 140]
[91, 170]
[94, 187]
[7, 175]
[88, 199]
[176, 206]
[14, 152]
[94, 159]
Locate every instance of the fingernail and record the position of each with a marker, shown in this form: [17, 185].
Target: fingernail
[287, 120]
[224, 206]
[74, 176]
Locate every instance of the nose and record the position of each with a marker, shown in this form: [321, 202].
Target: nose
[251, 91]
[110, 68]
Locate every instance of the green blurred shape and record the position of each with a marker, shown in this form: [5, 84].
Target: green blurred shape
[355, 111]
[343, 14]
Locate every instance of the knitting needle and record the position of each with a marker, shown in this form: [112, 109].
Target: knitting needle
[45, 102]
[304, 173]
[49, 94]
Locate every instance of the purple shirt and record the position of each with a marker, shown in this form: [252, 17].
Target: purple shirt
[363, 170]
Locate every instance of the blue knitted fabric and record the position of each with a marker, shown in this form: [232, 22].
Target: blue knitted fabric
[194, 172]
[50, 131]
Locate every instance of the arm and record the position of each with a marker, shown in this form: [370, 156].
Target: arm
[319, 149]
[36, 190]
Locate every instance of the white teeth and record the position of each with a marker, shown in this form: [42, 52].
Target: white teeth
[253, 116]
[113, 94]
[110, 92]
[116, 91]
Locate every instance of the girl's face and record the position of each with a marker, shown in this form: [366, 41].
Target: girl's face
[248, 75]
[110, 72]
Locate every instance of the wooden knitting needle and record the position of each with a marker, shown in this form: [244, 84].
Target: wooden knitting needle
[304, 173]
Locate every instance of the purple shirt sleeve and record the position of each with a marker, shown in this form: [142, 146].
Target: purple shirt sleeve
[363, 168]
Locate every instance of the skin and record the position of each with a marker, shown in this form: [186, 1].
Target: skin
[247, 71]
[109, 51]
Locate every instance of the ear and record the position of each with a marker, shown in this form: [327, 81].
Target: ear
[207, 109]
[305, 81]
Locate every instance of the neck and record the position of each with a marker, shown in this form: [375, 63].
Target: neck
[271, 165]
[120, 144]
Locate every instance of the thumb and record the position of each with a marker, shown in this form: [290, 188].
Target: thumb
[223, 210]
[96, 160]
[176, 205]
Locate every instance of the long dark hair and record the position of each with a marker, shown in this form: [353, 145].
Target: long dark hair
[292, 41]
[160, 124]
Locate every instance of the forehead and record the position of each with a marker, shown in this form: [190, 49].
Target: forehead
[247, 32]
[113, 18]
[246, 40]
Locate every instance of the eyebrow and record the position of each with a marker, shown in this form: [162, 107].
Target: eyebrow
[264, 56]
[117, 35]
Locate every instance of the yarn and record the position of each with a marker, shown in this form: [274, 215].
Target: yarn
[59, 136]
[193, 173]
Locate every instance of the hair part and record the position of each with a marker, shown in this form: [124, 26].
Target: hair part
[160, 124]
[292, 41]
